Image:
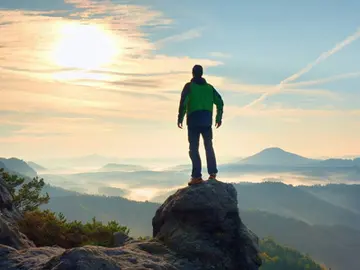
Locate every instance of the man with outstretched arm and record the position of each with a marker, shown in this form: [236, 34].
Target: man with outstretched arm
[197, 102]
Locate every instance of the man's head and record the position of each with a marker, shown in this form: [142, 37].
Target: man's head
[197, 71]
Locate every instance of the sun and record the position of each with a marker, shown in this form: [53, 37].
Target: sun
[84, 46]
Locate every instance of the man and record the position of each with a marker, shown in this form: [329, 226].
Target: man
[197, 102]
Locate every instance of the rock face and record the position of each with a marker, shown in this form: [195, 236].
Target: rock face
[9, 234]
[197, 228]
[202, 223]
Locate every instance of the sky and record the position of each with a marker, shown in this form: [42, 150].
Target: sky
[81, 77]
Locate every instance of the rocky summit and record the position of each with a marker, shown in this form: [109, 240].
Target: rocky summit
[197, 228]
[202, 224]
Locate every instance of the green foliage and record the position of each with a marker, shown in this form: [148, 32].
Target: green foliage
[276, 257]
[45, 228]
[27, 195]
[136, 215]
[11, 180]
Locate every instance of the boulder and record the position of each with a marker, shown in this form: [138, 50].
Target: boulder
[202, 224]
[120, 239]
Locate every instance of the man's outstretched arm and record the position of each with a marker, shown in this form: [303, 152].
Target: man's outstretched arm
[219, 107]
[182, 105]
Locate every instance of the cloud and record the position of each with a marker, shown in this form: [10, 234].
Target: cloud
[279, 111]
[264, 88]
[220, 55]
[326, 80]
[128, 88]
[293, 77]
[124, 17]
[132, 85]
[190, 34]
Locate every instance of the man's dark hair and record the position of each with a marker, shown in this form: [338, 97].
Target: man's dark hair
[197, 71]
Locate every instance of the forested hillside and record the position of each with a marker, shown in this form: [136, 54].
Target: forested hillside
[329, 244]
[277, 257]
[336, 246]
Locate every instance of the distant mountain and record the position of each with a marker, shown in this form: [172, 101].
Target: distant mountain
[93, 160]
[18, 166]
[275, 160]
[336, 162]
[335, 246]
[180, 168]
[58, 191]
[122, 167]
[357, 161]
[342, 195]
[112, 191]
[36, 166]
[295, 202]
[277, 156]
[136, 179]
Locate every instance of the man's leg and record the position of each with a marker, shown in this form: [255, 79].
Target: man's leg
[207, 135]
[194, 138]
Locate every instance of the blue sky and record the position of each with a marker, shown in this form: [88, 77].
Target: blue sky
[86, 76]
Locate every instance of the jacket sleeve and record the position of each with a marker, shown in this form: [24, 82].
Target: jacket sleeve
[218, 101]
[183, 102]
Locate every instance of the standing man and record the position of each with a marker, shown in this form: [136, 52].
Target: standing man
[197, 102]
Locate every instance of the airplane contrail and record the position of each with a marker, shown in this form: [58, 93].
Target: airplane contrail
[325, 80]
[293, 77]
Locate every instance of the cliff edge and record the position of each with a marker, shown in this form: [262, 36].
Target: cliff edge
[197, 228]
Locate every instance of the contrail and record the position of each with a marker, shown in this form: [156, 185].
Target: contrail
[293, 77]
[326, 80]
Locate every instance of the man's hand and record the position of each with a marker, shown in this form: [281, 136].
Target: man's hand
[218, 124]
[180, 125]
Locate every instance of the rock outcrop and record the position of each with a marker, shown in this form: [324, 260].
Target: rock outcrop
[9, 233]
[197, 228]
[202, 224]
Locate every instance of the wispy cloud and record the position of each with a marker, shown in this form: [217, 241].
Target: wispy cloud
[293, 77]
[129, 87]
[220, 55]
[264, 88]
[281, 112]
[188, 35]
[326, 80]
[124, 16]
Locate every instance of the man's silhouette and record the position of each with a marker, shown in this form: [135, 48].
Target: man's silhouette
[197, 102]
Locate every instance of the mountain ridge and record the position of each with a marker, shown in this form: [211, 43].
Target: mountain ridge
[276, 156]
[18, 166]
[36, 166]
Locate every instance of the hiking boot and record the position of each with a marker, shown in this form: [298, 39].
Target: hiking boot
[195, 180]
[212, 176]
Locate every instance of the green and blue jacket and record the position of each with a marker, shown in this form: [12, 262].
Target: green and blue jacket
[197, 102]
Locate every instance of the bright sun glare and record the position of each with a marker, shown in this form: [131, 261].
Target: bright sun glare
[84, 46]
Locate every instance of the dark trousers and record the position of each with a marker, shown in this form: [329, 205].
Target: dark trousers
[194, 140]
